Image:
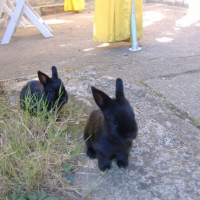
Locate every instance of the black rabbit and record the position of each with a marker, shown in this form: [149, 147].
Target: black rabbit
[51, 90]
[111, 129]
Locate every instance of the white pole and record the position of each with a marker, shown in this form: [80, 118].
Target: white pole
[134, 30]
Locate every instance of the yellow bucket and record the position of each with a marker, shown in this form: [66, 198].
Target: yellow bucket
[74, 5]
[112, 19]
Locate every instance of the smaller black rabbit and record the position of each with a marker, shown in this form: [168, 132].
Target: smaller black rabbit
[111, 129]
[51, 90]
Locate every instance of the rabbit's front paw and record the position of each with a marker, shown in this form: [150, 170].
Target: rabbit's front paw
[122, 163]
[91, 153]
[104, 167]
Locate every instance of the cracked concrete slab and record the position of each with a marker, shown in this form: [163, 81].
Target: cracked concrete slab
[164, 160]
[182, 91]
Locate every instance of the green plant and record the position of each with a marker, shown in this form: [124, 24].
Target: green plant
[94, 186]
[34, 148]
[68, 69]
[31, 196]
[39, 105]
[195, 122]
[1, 87]
[165, 101]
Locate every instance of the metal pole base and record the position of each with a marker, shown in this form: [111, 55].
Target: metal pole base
[135, 47]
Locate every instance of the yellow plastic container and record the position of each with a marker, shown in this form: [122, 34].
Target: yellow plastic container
[74, 5]
[112, 19]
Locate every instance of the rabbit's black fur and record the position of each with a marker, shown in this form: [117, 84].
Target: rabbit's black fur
[111, 129]
[46, 88]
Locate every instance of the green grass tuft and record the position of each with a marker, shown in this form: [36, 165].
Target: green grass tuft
[34, 149]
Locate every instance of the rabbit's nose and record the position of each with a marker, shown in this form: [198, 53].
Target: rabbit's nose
[132, 135]
[129, 135]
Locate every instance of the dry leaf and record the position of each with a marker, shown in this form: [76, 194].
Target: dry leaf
[179, 138]
[62, 127]
[179, 114]
[79, 163]
[189, 144]
[198, 156]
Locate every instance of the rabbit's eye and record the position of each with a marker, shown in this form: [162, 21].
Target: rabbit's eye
[115, 123]
[53, 93]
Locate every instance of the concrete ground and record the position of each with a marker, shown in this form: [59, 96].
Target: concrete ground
[161, 82]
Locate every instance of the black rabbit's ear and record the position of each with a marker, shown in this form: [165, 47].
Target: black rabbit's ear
[101, 99]
[54, 72]
[119, 93]
[44, 79]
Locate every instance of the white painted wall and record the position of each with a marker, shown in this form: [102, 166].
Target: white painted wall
[44, 2]
[175, 2]
[47, 2]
